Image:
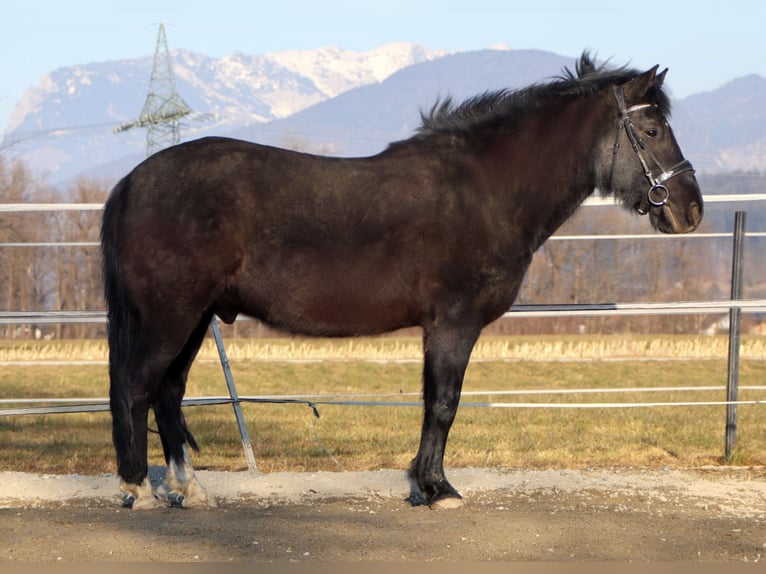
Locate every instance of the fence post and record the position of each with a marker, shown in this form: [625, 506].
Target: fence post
[735, 327]
[247, 446]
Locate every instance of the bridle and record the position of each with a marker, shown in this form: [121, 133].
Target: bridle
[658, 194]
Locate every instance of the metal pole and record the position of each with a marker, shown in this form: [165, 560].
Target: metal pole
[247, 446]
[735, 327]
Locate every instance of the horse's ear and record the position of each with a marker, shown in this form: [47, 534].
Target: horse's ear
[636, 89]
[660, 79]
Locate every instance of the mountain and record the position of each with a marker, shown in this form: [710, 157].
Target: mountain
[725, 130]
[364, 120]
[63, 125]
[328, 101]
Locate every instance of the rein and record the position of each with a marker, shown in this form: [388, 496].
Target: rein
[658, 194]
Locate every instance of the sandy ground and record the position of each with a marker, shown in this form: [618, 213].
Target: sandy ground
[709, 514]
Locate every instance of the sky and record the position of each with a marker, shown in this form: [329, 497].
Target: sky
[704, 44]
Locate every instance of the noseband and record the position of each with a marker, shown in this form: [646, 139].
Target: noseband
[658, 194]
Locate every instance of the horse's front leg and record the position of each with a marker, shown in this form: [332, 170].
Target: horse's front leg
[446, 354]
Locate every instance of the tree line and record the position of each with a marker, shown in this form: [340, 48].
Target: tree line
[682, 268]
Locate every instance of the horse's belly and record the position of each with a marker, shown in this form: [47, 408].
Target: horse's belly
[333, 318]
[330, 304]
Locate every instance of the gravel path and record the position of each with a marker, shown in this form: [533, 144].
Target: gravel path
[709, 514]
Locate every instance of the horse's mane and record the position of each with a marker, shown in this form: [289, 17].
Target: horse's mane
[498, 108]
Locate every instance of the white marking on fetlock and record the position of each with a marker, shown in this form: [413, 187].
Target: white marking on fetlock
[182, 485]
[196, 495]
[139, 496]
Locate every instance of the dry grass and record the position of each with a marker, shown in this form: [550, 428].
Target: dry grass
[289, 437]
[574, 347]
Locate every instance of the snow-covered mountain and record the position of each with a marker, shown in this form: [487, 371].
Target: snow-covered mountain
[63, 125]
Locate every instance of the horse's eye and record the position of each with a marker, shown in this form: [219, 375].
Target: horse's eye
[651, 133]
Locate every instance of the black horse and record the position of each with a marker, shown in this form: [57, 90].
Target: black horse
[436, 231]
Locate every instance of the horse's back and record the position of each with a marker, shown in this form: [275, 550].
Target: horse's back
[310, 244]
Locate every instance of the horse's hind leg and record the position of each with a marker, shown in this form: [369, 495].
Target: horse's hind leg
[132, 388]
[447, 350]
[183, 488]
[129, 429]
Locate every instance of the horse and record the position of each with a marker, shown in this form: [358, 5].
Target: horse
[436, 231]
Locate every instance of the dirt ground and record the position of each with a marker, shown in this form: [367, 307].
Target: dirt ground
[698, 515]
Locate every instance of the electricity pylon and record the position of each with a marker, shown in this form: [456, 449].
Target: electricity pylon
[164, 108]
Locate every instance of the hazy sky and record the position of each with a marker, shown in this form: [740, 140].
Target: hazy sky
[704, 44]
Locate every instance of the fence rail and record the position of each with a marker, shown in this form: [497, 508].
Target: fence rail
[101, 404]
[519, 311]
[582, 237]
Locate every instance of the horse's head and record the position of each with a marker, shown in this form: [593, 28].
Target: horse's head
[642, 164]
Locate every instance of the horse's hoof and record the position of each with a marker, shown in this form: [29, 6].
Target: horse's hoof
[447, 503]
[141, 503]
[139, 496]
[416, 499]
[175, 500]
[196, 502]
[193, 498]
[128, 500]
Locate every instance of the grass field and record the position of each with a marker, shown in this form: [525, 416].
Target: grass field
[290, 437]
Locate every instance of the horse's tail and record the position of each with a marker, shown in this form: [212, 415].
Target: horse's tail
[122, 321]
[121, 315]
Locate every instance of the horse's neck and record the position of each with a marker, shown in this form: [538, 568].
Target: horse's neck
[543, 179]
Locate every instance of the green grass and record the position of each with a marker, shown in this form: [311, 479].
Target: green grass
[289, 437]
